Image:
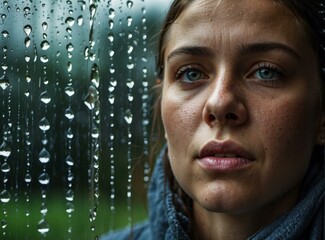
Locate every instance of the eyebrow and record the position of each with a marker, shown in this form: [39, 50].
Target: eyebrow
[192, 50]
[245, 49]
[268, 46]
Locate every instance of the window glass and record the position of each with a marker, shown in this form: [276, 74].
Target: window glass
[75, 101]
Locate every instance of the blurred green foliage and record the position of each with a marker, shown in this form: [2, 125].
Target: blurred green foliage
[20, 226]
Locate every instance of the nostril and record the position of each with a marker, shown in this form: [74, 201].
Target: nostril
[212, 118]
[231, 116]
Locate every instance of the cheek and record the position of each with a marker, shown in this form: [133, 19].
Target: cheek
[290, 129]
[179, 117]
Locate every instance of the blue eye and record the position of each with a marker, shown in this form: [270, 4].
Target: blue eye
[267, 73]
[192, 75]
[189, 74]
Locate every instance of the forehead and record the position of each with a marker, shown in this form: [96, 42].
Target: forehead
[214, 10]
[216, 22]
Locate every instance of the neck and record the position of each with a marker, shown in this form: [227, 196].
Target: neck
[209, 225]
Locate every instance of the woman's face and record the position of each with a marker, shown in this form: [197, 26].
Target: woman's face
[240, 104]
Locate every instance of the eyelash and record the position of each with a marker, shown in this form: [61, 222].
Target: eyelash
[185, 69]
[260, 66]
[270, 67]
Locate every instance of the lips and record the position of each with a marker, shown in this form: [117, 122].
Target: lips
[224, 156]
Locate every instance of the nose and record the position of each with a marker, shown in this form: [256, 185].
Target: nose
[225, 105]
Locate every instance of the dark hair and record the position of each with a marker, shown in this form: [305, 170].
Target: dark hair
[312, 12]
[176, 8]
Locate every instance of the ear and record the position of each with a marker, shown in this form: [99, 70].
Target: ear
[321, 132]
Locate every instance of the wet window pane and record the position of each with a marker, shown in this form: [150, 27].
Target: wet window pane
[75, 101]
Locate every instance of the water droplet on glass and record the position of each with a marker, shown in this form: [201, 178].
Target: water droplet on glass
[91, 98]
[69, 161]
[5, 33]
[130, 49]
[113, 83]
[86, 53]
[92, 214]
[5, 196]
[95, 132]
[111, 98]
[69, 207]
[43, 209]
[27, 93]
[92, 57]
[70, 47]
[43, 226]
[80, 20]
[3, 224]
[69, 30]
[43, 195]
[44, 156]
[92, 10]
[45, 45]
[44, 26]
[28, 178]
[111, 13]
[111, 53]
[26, 9]
[128, 117]
[45, 98]
[111, 24]
[95, 75]
[130, 97]
[44, 141]
[69, 66]
[44, 179]
[28, 29]
[69, 114]
[69, 91]
[4, 82]
[5, 167]
[69, 21]
[4, 66]
[5, 150]
[129, 4]
[129, 21]
[69, 133]
[27, 42]
[69, 195]
[44, 124]
[130, 66]
[44, 59]
[130, 83]
[110, 37]
[28, 78]
[70, 176]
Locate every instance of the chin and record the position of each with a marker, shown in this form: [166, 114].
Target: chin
[227, 202]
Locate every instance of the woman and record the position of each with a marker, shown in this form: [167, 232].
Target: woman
[242, 108]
